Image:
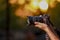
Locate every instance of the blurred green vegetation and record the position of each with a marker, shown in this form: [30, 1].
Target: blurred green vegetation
[55, 15]
[3, 14]
[14, 20]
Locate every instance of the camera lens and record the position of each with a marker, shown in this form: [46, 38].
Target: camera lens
[30, 19]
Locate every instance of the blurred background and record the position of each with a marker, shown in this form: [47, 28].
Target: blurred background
[18, 12]
[20, 9]
[3, 19]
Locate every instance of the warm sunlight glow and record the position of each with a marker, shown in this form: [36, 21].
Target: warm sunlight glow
[43, 5]
[31, 7]
[34, 4]
[58, 0]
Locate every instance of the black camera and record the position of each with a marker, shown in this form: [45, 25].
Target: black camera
[32, 19]
[41, 18]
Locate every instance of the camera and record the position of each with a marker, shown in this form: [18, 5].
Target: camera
[40, 18]
[32, 19]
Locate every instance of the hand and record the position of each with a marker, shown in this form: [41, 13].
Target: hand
[41, 26]
[51, 33]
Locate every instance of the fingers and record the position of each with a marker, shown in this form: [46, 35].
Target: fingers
[38, 24]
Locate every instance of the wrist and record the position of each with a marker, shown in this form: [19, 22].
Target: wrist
[47, 29]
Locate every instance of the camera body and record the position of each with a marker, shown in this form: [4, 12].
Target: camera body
[45, 18]
[41, 18]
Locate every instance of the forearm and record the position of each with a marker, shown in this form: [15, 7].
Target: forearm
[51, 34]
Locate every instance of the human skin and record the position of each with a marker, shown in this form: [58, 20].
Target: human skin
[51, 33]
